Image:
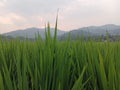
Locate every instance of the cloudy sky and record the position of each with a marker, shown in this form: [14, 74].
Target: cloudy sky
[20, 14]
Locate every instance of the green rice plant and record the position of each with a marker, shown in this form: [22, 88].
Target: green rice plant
[59, 65]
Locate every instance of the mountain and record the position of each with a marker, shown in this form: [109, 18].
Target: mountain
[102, 30]
[31, 33]
[94, 31]
[75, 34]
[112, 29]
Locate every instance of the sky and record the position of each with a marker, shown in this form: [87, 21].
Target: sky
[73, 14]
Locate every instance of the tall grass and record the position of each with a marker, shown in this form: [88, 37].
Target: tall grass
[53, 65]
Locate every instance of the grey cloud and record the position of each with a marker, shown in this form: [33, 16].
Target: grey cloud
[73, 13]
[33, 7]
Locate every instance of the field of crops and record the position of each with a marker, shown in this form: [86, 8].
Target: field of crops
[59, 65]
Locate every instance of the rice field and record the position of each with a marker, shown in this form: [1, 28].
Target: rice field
[59, 65]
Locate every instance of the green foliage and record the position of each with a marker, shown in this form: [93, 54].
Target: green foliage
[53, 65]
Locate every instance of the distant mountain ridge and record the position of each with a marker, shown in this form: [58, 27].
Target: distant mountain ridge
[31, 32]
[85, 31]
[111, 29]
[101, 30]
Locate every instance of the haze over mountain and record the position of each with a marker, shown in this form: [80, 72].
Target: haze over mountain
[85, 31]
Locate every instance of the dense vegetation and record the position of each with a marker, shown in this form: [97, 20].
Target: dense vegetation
[53, 65]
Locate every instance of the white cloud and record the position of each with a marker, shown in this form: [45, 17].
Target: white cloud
[11, 18]
[33, 7]
[2, 3]
[72, 14]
